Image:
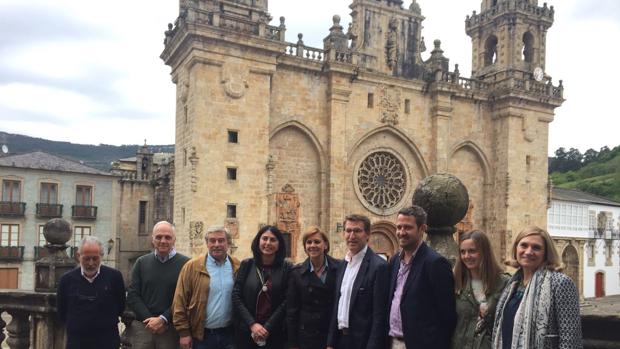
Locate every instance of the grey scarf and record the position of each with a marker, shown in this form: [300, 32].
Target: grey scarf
[533, 316]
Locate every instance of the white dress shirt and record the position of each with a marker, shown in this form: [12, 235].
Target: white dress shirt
[346, 289]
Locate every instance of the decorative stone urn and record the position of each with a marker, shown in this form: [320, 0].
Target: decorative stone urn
[50, 268]
[445, 200]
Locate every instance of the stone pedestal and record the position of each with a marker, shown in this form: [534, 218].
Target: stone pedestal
[50, 268]
[445, 200]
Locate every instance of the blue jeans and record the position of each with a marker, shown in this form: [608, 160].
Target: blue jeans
[221, 340]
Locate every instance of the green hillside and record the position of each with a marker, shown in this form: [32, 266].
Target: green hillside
[596, 173]
[98, 156]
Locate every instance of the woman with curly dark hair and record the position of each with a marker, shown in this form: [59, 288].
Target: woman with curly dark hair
[259, 293]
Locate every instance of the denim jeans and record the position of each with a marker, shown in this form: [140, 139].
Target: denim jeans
[221, 340]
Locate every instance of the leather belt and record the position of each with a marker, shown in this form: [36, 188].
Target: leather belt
[218, 330]
[344, 331]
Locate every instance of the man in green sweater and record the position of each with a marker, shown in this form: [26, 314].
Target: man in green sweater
[153, 281]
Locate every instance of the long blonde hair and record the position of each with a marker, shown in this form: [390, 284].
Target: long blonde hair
[551, 260]
[489, 268]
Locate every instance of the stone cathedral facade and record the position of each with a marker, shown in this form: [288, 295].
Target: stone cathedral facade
[276, 132]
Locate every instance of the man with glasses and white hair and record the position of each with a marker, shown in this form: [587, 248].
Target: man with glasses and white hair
[202, 307]
[90, 300]
[153, 280]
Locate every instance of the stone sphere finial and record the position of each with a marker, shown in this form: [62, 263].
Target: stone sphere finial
[57, 231]
[437, 43]
[445, 200]
[300, 36]
[336, 20]
[282, 20]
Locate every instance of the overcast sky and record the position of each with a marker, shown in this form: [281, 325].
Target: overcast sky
[89, 71]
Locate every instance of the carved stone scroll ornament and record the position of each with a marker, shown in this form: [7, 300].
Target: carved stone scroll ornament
[196, 240]
[390, 105]
[193, 159]
[234, 83]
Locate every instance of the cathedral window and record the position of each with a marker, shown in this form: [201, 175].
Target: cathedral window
[490, 51]
[407, 106]
[528, 47]
[371, 100]
[233, 136]
[231, 173]
[231, 211]
[382, 180]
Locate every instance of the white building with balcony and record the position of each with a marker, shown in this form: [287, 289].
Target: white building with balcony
[38, 186]
[586, 229]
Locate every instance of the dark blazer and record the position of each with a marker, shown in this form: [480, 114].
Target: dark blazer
[427, 306]
[244, 296]
[368, 309]
[309, 305]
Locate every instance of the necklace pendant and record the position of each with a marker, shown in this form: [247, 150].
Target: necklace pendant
[264, 288]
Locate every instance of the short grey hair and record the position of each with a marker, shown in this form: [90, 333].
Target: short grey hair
[164, 223]
[219, 228]
[90, 240]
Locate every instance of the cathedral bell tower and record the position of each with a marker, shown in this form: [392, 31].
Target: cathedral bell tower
[508, 57]
[387, 36]
[508, 35]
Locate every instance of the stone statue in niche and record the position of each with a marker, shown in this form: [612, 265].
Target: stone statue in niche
[391, 46]
[390, 105]
[287, 214]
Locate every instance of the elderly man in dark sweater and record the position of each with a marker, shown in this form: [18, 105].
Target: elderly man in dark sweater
[149, 296]
[90, 300]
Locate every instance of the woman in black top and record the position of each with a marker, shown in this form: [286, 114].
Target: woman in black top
[259, 293]
[310, 295]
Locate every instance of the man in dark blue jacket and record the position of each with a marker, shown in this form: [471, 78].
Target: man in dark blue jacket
[90, 300]
[422, 308]
[360, 302]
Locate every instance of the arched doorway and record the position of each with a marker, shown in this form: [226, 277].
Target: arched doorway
[599, 284]
[570, 258]
[383, 239]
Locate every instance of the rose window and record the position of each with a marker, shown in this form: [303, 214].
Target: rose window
[382, 181]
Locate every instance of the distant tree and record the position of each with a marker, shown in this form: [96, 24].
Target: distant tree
[574, 159]
[589, 156]
[604, 154]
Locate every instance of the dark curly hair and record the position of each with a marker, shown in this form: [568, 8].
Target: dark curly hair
[280, 253]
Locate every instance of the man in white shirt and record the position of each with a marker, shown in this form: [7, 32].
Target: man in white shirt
[360, 311]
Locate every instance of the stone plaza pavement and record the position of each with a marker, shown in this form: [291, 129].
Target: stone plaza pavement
[605, 306]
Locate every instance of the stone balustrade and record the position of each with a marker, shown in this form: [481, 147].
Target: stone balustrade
[504, 6]
[33, 322]
[305, 52]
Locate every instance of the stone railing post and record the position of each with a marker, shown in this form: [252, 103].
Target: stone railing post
[282, 31]
[300, 45]
[2, 326]
[19, 330]
[126, 338]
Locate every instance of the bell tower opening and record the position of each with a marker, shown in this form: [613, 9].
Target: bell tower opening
[528, 47]
[490, 51]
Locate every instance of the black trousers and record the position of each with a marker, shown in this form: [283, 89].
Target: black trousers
[93, 341]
